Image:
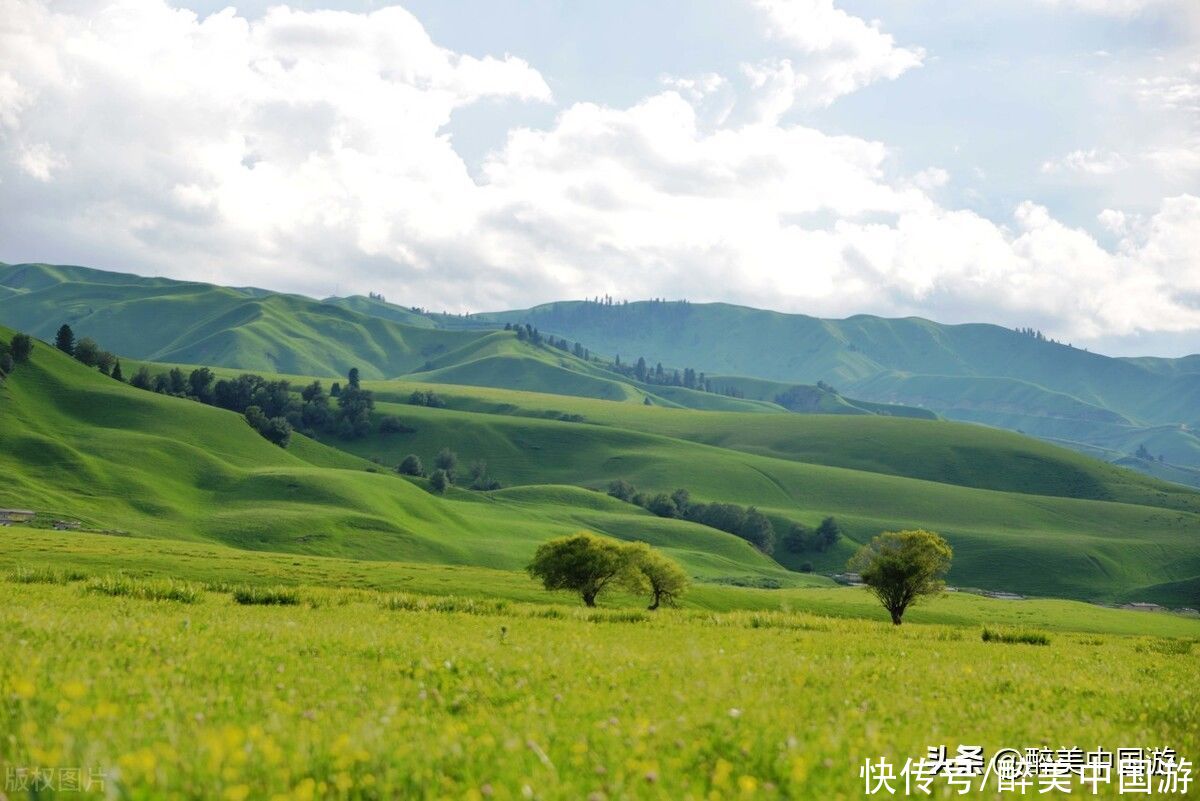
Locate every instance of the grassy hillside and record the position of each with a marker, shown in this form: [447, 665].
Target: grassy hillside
[192, 323]
[76, 444]
[983, 373]
[1009, 539]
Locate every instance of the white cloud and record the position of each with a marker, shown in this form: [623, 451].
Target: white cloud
[836, 53]
[1088, 162]
[308, 149]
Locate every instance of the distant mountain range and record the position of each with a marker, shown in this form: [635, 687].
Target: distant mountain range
[1139, 412]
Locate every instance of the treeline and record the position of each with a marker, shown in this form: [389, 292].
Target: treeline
[87, 352]
[643, 372]
[445, 472]
[527, 333]
[746, 522]
[271, 407]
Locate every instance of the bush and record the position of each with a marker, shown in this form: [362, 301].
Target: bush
[145, 589]
[439, 481]
[394, 425]
[266, 596]
[43, 575]
[411, 466]
[1022, 637]
[622, 490]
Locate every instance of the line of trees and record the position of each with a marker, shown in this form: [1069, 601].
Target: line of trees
[445, 472]
[589, 565]
[746, 522]
[86, 351]
[271, 407]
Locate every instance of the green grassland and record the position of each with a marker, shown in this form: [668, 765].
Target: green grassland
[77, 444]
[975, 372]
[351, 696]
[1022, 515]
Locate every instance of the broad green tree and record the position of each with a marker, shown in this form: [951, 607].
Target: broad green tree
[901, 567]
[582, 563]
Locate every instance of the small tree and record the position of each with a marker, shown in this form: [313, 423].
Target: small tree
[657, 574]
[622, 490]
[411, 466]
[142, 378]
[116, 371]
[6, 362]
[277, 430]
[440, 480]
[828, 533]
[64, 340]
[21, 348]
[105, 361]
[352, 377]
[901, 567]
[87, 352]
[662, 505]
[447, 462]
[582, 563]
[200, 384]
[798, 538]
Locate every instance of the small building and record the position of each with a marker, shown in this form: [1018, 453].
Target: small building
[66, 525]
[9, 516]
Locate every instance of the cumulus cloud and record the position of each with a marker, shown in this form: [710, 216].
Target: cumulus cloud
[305, 150]
[836, 53]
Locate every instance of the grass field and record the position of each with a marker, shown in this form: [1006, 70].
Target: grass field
[353, 695]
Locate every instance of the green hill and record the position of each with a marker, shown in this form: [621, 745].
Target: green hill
[173, 321]
[75, 444]
[975, 372]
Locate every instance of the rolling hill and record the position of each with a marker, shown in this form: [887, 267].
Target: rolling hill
[975, 372]
[75, 444]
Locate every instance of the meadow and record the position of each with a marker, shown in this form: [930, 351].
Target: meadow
[357, 694]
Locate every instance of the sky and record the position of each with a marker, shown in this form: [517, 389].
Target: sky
[1019, 162]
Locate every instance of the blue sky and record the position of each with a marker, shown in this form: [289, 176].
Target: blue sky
[1024, 162]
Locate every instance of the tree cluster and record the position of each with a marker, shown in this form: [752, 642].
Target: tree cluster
[426, 398]
[271, 407]
[589, 565]
[445, 472]
[16, 351]
[746, 522]
[801, 538]
[641, 371]
[87, 352]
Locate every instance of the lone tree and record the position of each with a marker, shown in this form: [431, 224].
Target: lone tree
[582, 563]
[657, 574]
[64, 340]
[439, 481]
[900, 567]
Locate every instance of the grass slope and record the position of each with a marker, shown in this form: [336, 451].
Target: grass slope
[74, 443]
